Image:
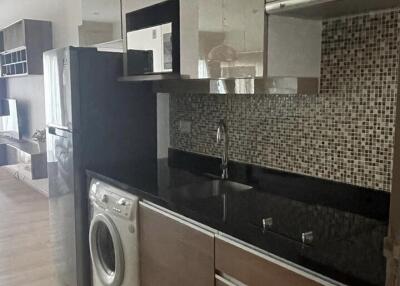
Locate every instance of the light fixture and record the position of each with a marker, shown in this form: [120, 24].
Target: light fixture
[222, 52]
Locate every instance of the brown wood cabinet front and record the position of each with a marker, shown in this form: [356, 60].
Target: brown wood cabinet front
[172, 252]
[253, 270]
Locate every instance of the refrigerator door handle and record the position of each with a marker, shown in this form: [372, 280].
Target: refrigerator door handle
[52, 130]
[56, 131]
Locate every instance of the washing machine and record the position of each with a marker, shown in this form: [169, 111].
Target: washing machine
[113, 236]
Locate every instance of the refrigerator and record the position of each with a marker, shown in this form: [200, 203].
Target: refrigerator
[93, 122]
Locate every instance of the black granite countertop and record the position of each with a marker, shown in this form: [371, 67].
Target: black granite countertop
[348, 223]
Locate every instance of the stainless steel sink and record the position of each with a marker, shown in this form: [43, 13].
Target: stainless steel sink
[213, 188]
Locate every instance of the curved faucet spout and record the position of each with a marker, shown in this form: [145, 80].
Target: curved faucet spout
[222, 134]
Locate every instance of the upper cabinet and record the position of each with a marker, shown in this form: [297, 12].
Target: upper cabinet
[230, 37]
[197, 39]
[233, 44]
[23, 44]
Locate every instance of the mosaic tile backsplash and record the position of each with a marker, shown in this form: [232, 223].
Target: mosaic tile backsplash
[345, 133]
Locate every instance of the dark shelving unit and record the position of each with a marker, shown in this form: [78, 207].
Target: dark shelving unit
[21, 47]
[14, 63]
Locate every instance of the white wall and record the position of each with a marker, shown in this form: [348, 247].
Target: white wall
[244, 23]
[65, 16]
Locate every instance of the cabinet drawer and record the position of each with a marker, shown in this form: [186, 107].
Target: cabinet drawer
[254, 270]
[172, 251]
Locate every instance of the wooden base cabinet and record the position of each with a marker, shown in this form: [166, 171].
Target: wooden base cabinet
[236, 266]
[173, 251]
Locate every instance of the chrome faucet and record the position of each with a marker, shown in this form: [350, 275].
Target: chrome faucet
[224, 165]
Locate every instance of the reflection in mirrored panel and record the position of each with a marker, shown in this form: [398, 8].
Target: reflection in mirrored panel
[153, 41]
[101, 23]
[231, 38]
[211, 39]
[150, 50]
[9, 125]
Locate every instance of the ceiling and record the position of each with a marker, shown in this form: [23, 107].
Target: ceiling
[101, 10]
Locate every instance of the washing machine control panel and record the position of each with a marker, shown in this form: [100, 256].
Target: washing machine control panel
[104, 197]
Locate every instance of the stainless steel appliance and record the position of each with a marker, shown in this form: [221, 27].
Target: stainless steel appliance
[93, 122]
[113, 236]
[322, 9]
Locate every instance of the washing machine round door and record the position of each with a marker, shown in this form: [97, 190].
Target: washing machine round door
[106, 251]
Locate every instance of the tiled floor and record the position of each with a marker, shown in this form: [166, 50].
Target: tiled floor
[25, 247]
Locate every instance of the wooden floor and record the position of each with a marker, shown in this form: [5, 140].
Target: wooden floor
[25, 248]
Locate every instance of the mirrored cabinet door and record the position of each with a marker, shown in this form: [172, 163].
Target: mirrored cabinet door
[231, 39]
[150, 50]
[217, 39]
[101, 25]
[153, 40]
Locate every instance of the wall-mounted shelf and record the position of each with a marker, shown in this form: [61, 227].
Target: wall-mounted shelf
[21, 47]
[14, 63]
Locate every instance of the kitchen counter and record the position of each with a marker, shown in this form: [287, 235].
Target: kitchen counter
[348, 223]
